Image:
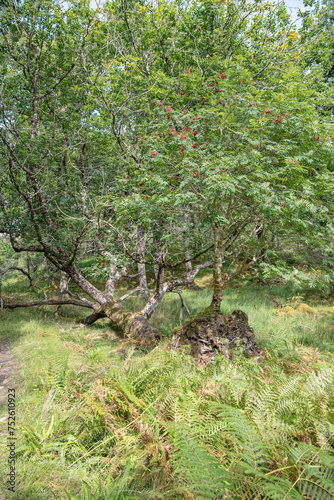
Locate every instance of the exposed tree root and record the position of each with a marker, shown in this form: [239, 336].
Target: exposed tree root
[210, 332]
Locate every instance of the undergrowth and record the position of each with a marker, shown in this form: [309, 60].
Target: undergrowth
[100, 420]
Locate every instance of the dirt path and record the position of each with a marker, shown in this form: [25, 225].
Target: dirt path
[6, 382]
[6, 371]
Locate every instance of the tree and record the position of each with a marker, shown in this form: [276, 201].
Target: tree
[109, 125]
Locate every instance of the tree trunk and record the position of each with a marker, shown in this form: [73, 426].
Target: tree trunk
[63, 284]
[219, 281]
[98, 314]
[188, 261]
[263, 255]
[63, 290]
[187, 252]
[191, 285]
[331, 286]
[141, 265]
[51, 275]
[158, 295]
[134, 325]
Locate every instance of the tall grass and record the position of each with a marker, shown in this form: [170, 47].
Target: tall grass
[100, 420]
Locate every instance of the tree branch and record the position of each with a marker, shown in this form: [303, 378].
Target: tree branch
[3, 271]
[56, 84]
[48, 303]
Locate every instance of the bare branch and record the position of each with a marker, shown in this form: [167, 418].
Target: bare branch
[138, 289]
[48, 303]
[3, 271]
[183, 304]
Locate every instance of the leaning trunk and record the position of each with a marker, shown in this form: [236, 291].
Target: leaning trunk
[133, 325]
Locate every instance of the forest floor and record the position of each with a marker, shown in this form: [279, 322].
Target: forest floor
[93, 413]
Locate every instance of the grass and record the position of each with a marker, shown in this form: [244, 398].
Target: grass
[95, 417]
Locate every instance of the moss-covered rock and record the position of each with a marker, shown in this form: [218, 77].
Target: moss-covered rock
[210, 332]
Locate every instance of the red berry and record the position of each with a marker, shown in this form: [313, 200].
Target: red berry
[318, 138]
[168, 108]
[218, 90]
[194, 145]
[188, 72]
[140, 184]
[211, 85]
[195, 132]
[222, 76]
[153, 153]
[268, 112]
[146, 197]
[160, 104]
[195, 174]
[186, 128]
[182, 93]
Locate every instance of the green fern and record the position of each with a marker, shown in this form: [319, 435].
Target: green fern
[205, 477]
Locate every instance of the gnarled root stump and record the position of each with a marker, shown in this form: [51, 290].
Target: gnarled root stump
[210, 332]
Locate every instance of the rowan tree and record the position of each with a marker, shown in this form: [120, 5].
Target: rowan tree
[185, 137]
